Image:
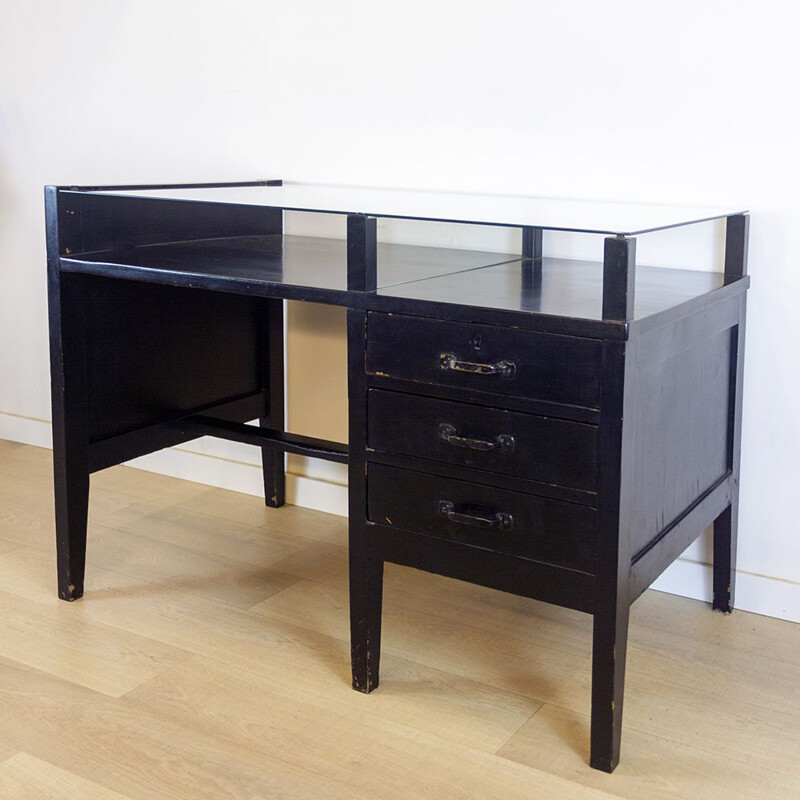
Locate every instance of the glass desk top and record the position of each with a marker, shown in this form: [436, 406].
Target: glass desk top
[610, 218]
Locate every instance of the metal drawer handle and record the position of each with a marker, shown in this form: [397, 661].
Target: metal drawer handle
[500, 519]
[448, 433]
[505, 369]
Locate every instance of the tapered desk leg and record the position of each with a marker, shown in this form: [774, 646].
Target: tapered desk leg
[70, 430]
[608, 684]
[71, 507]
[273, 460]
[726, 524]
[366, 594]
[724, 568]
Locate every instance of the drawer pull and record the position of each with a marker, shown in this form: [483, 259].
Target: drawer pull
[505, 369]
[448, 433]
[500, 519]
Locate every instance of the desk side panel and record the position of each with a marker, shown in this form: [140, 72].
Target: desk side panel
[94, 222]
[681, 443]
[155, 353]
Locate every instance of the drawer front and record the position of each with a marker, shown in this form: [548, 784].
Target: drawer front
[494, 519]
[537, 448]
[543, 366]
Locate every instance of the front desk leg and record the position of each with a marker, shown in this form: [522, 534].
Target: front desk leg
[608, 683]
[366, 562]
[366, 595]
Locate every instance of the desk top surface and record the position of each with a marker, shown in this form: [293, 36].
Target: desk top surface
[298, 267]
[610, 218]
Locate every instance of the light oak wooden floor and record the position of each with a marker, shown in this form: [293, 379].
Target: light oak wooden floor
[209, 659]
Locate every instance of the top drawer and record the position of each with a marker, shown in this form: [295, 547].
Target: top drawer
[542, 366]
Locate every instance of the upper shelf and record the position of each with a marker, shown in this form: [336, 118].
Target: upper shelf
[295, 267]
[308, 268]
[617, 219]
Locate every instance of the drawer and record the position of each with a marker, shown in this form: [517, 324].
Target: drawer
[537, 448]
[509, 522]
[543, 366]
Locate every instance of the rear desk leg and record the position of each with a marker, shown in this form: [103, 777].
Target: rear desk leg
[725, 525]
[725, 558]
[70, 426]
[271, 458]
[71, 507]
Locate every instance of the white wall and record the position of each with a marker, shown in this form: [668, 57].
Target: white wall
[685, 102]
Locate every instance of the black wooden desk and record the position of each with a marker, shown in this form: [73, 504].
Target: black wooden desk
[558, 429]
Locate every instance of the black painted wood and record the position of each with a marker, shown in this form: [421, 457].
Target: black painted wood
[495, 479]
[737, 235]
[537, 448]
[625, 418]
[525, 405]
[493, 519]
[67, 313]
[724, 558]
[275, 265]
[532, 243]
[276, 441]
[555, 368]
[70, 432]
[92, 223]
[688, 307]
[362, 253]
[570, 292]
[113, 450]
[156, 352]
[726, 524]
[674, 538]
[682, 332]
[673, 427]
[619, 278]
[366, 560]
[567, 299]
[612, 559]
[524, 577]
[272, 460]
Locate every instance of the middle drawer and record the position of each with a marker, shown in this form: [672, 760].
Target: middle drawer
[542, 449]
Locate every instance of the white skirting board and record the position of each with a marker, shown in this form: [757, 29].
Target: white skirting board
[238, 476]
[27, 430]
[324, 489]
[761, 594]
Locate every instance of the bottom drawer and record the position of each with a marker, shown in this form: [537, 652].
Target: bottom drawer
[519, 524]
